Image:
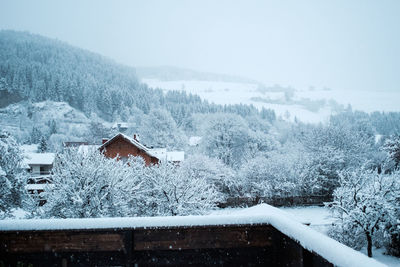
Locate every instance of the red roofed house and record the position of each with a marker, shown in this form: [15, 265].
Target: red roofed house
[124, 146]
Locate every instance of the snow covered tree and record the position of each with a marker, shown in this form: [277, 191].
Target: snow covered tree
[392, 148]
[52, 124]
[271, 176]
[363, 203]
[160, 130]
[284, 172]
[12, 174]
[258, 143]
[176, 192]
[213, 171]
[392, 227]
[97, 131]
[3, 84]
[87, 184]
[334, 148]
[42, 145]
[36, 134]
[226, 137]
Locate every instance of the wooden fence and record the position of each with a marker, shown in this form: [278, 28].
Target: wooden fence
[232, 245]
[276, 201]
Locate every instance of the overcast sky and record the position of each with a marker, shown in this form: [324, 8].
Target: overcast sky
[337, 44]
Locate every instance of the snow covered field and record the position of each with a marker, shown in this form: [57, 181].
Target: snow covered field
[247, 93]
[238, 93]
[367, 101]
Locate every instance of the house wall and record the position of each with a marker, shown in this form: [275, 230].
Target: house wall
[35, 169]
[122, 148]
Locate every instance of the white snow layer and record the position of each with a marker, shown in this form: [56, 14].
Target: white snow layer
[194, 140]
[39, 186]
[310, 239]
[175, 156]
[39, 158]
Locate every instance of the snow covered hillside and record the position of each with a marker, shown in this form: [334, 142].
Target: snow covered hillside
[10, 116]
[28, 120]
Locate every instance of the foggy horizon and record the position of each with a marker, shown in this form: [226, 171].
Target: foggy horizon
[339, 45]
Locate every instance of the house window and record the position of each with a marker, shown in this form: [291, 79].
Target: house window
[44, 170]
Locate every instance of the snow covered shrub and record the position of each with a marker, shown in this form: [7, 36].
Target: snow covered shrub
[393, 246]
[254, 178]
[12, 174]
[174, 191]
[268, 177]
[285, 172]
[347, 234]
[363, 203]
[87, 184]
[213, 171]
[226, 138]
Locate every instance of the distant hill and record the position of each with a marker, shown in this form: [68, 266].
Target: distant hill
[169, 73]
[38, 68]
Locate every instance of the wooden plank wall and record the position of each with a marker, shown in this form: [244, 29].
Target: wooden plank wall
[237, 245]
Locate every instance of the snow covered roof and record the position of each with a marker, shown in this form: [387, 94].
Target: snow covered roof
[87, 148]
[163, 154]
[194, 140]
[331, 250]
[39, 158]
[378, 138]
[160, 153]
[120, 125]
[127, 138]
[175, 156]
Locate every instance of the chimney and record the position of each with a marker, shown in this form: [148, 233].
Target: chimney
[136, 137]
[104, 140]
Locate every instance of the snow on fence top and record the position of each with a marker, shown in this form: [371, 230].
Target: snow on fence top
[331, 250]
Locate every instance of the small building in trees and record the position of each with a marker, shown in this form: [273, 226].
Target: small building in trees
[75, 143]
[39, 167]
[121, 126]
[123, 146]
[169, 156]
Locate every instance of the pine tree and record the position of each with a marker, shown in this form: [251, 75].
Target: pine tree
[42, 144]
[392, 148]
[52, 127]
[35, 136]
